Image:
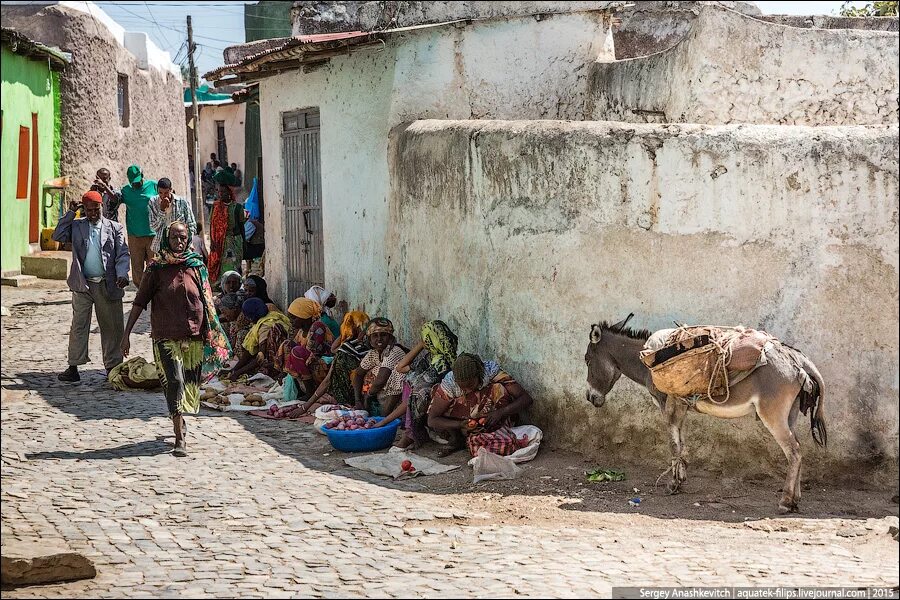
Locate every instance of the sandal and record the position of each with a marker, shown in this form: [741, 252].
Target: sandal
[180, 448]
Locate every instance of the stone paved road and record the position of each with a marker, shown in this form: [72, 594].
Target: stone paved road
[257, 509]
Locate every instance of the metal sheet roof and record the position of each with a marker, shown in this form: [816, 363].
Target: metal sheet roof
[22, 45]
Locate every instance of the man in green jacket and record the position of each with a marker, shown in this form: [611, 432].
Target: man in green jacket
[136, 198]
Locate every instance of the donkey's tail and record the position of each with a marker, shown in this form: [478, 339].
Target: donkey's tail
[812, 398]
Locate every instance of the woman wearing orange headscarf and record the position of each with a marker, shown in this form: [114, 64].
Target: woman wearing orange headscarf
[350, 348]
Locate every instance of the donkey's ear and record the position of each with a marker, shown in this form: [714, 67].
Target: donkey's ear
[595, 334]
[621, 324]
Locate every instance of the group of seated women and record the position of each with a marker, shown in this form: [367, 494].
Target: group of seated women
[459, 399]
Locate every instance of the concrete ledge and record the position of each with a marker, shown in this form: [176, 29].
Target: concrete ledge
[33, 563]
[19, 280]
[47, 265]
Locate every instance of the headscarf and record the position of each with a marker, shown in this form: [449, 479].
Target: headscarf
[468, 367]
[379, 325]
[228, 275]
[318, 294]
[230, 301]
[261, 288]
[304, 308]
[216, 348]
[353, 322]
[225, 178]
[441, 345]
[254, 309]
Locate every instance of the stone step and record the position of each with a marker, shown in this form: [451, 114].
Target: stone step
[19, 280]
[47, 264]
[26, 562]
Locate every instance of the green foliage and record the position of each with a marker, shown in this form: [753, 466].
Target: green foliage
[605, 475]
[870, 9]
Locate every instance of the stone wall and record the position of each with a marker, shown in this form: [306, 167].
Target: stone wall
[559, 225]
[91, 134]
[734, 68]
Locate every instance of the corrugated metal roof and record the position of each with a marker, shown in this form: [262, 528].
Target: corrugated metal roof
[27, 47]
[306, 48]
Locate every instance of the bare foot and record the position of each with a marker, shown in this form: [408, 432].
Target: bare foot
[406, 442]
[443, 453]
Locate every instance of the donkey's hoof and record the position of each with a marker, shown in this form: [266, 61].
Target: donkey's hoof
[787, 507]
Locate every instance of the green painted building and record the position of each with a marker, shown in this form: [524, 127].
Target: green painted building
[30, 144]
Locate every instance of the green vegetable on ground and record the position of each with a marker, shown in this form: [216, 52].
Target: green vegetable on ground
[605, 475]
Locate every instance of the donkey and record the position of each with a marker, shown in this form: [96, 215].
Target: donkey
[776, 391]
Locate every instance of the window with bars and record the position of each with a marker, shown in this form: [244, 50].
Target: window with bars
[123, 100]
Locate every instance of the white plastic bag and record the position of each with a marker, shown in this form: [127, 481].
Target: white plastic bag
[488, 465]
[329, 412]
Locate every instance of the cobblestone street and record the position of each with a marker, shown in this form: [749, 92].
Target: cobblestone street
[265, 508]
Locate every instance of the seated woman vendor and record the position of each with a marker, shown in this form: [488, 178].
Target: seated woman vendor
[337, 387]
[424, 366]
[256, 287]
[377, 374]
[231, 284]
[304, 356]
[267, 332]
[476, 403]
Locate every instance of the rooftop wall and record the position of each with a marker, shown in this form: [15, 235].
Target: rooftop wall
[557, 225]
[310, 17]
[733, 68]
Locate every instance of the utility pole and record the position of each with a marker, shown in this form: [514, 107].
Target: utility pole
[199, 200]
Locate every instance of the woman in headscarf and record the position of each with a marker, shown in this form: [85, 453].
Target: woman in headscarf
[378, 370]
[230, 283]
[267, 332]
[303, 356]
[349, 350]
[478, 401]
[425, 366]
[327, 301]
[256, 287]
[234, 322]
[189, 345]
[226, 229]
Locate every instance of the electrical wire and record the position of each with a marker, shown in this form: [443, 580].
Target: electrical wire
[158, 27]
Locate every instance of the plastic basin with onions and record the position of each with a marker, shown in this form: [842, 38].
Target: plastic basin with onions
[363, 440]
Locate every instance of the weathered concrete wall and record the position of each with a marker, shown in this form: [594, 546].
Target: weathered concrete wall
[91, 135]
[835, 22]
[311, 17]
[446, 72]
[558, 225]
[652, 26]
[732, 68]
[233, 115]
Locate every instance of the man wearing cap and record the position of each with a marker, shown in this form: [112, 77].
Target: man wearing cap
[136, 198]
[99, 273]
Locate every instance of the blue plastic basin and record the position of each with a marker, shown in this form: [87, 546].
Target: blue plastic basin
[363, 440]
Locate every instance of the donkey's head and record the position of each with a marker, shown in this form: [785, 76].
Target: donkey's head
[602, 369]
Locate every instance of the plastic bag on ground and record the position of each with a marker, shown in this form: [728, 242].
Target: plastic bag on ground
[488, 465]
[533, 435]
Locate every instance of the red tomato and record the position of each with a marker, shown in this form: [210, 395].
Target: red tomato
[407, 465]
